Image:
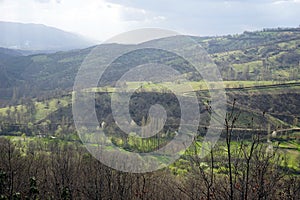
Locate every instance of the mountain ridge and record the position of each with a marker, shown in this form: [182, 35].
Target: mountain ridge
[39, 37]
[251, 56]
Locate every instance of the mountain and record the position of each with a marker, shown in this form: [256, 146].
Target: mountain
[268, 55]
[260, 69]
[37, 37]
[10, 52]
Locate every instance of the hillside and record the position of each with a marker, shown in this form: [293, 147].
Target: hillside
[259, 143]
[269, 55]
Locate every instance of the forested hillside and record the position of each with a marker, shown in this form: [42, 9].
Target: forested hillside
[256, 157]
[269, 55]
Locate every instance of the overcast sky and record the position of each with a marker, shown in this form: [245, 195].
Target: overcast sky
[101, 19]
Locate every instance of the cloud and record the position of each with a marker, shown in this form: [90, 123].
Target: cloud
[42, 1]
[102, 19]
[215, 17]
[96, 19]
[285, 1]
[133, 14]
[48, 1]
[130, 14]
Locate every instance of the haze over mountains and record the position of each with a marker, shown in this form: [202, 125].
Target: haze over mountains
[38, 37]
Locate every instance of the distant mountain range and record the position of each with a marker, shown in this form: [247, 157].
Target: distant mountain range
[39, 38]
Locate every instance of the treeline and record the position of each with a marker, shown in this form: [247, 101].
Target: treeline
[238, 167]
[234, 169]
[248, 40]
[58, 170]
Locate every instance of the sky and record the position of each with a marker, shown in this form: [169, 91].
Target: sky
[102, 19]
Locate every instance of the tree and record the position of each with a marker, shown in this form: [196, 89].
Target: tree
[246, 73]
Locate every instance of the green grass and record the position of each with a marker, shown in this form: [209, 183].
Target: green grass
[43, 109]
[252, 65]
[189, 86]
[291, 150]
